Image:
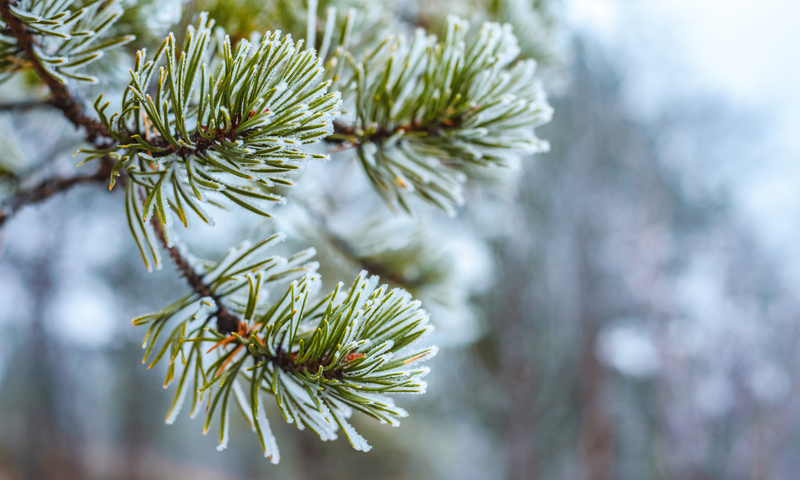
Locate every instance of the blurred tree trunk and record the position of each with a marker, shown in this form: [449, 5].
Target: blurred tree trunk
[49, 454]
[521, 388]
[136, 416]
[596, 439]
[511, 345]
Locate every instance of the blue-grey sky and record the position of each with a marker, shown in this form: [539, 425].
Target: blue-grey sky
[740, 52]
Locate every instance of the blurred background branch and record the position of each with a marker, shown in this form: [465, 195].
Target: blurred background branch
[50, 187]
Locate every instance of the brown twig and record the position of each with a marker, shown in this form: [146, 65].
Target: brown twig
[61, 98]
[227, 322]
[350, 136]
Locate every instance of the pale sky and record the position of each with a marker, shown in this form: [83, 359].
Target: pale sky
[744, 52]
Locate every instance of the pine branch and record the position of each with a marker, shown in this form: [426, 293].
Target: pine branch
[51, 187]
[223, 124]
[349, 133]
[61, 98]
[321, 358]
[427, 113]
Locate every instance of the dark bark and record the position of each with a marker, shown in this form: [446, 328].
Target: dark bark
[226, 321]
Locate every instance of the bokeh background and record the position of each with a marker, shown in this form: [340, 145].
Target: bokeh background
[625, 306]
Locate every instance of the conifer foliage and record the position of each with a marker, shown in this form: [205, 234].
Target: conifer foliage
[214, 119]
[61, 37]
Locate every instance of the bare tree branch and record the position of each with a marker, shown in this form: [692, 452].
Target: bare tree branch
[23, 106]
[53, 186]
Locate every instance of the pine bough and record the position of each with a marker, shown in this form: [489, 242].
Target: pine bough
[425, 111]
[213, 122]
[320, 358]
[66, 40]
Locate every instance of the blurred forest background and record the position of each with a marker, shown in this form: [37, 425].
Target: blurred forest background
[624, 306]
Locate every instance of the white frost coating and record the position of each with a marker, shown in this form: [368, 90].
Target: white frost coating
[173, 413]
[289, 410]
[167, 227]
[350, 332]
[356, 440]
[190, 258]
[422, 371]
[278, 99]
[322, 425]
[288, 385]
[414, 346]
[379, 399]
[225, 432]
[270, 445]
[205, 306]
[151, 233]
[423, 387]
[381, 349]
[291, 385]
[302, 256]
[344, 409]
[433, 350]
[411, 370]
[231, 255]
[243, 404]
[327, 425]
[367, 287]
[387, 402]
[197, 409]
[378, 362]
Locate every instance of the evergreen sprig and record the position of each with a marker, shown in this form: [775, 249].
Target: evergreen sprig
[425, 110]
[215, 125]
[321, 359]
[533, 23]
[66, 40]
[323, 23]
